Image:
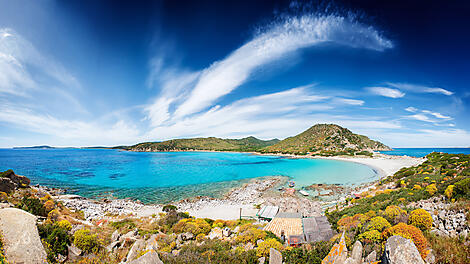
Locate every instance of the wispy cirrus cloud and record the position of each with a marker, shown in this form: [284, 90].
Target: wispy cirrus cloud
[387, 92]
[271, 44]
[427, 115]
[420, 88]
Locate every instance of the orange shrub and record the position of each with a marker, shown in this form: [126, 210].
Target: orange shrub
[349, 222]
[421, 219]
[409, 232]
[49, 205]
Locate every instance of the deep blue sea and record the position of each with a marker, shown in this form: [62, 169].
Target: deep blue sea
[168, 176]
[421, 152]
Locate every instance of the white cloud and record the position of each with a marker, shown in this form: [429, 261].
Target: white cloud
[387, 92]
[421, 117]
[437, 115]
[276, 42]
[426, 138]
[411, 109]
[348, 101]
[420, 88]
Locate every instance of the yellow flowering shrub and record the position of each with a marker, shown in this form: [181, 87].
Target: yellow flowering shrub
[409, 232]
[431, 189]
[86, 241]
[449, 191]
[378, 223]
[65, 225]
[251, 235]
[421, 219]
[370, 214]
[194, 226]
[417, 187]
[200, 237]
[370, 237]
[388, 191]
[3, 196]
[349, 222]
[392, 212]
[264, 247]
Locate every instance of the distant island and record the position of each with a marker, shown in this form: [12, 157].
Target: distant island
[320, 139]
[35, 147]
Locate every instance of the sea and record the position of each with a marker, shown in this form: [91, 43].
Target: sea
[421, 152]
[160, 177]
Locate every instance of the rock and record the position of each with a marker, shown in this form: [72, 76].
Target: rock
[249, 246]
[152, 243]
[112, 246]
[261, 260]
[226, 232]
[150, 257]
[18, 180]
[74, 252]
[6, 185]
[430, 258]
[215, 233]
[136, 248]
[275, 257]
[236, 230]
[371, 257]
[259, 241]
[356, 254]
[187, 236]
[115, 236]
[20, 237]
[402, 251]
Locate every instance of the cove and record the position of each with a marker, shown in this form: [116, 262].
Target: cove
[168, 176]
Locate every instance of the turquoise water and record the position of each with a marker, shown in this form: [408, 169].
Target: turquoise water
[421, 152]
[168, 176]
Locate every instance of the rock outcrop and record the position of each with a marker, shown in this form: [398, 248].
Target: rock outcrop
[151, 257]
[20, 237]
[400, 250]
[9, 181]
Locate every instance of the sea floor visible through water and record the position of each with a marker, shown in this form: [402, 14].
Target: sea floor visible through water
[159, 177]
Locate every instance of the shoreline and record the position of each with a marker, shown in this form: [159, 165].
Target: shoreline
[257, 191]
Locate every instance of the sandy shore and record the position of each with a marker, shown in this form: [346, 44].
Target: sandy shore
[256, 192]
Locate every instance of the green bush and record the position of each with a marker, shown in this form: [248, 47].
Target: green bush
[32, 205]
[56, 239]
[313, 254]
[127, 223]
[462, 188]
[86, 241]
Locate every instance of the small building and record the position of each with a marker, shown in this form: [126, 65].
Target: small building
[267, 213]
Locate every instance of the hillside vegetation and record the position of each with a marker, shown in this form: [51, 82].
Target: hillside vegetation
[429, 204]
[210, 143]
[326, 139]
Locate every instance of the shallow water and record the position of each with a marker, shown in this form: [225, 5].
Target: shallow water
[168, 176]
[421, 152]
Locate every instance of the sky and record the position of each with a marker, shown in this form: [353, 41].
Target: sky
[106, 73]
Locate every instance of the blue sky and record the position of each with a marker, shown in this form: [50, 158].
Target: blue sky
[82, 73]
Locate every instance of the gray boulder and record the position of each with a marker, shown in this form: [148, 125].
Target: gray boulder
[402, 251]
[6, 185]
[136, 248]
[20, 237]
[371, 257]
[275, 257]
[150, 257]
[356, 254]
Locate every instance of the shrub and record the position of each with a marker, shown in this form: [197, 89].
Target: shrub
[56, 239]
[194, 226]
[378, 223]
[125, 223]
[409, 232]
[462, 188]
[421, 219]
[264, 247]
[86, 241]
[251, 235]
[449, 191]
[169, 207]
[49, 205]
[393, 212]
[313, 253]
[431, 189]
[371, 237]
[3, 196]
[32, 205]
[53, 215]
[417, 187]
[349, 222]
[65, 225]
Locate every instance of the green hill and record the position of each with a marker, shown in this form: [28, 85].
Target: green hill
[326, 139]
[210, 143]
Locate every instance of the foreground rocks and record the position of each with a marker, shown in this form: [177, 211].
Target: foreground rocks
[9, 181]
[402, 251]
[20, 237]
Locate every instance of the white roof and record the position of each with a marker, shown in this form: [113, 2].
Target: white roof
[268, 211]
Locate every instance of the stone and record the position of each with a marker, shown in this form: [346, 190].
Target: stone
[430, 258]
[152, 243]
[249, 246]
[226, 232]
[262, 260]
[112, 246]
[237, 229]
[402, 251]
[6, 185]
[215, 233]
[20, 237]
[115, 236]
[150, 257]
[187, 236]
[275, 257]
[259, 241]
[356, 253]
[371, 257]
[136, 248]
